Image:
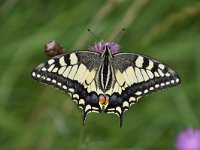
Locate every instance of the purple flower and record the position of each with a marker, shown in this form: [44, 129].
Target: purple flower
[98, 47]
[188, 140]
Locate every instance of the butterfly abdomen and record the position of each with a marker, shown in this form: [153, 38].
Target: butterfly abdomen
[105, 72]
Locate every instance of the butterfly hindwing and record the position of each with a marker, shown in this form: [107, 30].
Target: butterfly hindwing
[73, 73]
[136, 76]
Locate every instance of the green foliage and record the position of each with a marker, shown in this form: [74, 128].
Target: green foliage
[34, 116]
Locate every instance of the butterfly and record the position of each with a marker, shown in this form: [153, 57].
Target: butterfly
[103, 79]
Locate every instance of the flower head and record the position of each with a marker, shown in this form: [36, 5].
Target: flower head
[52, 48]
[98, 47]
[188, 140]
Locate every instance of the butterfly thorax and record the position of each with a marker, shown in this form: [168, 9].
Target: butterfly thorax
[105, 72]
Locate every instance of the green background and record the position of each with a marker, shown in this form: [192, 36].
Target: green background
[35, 116]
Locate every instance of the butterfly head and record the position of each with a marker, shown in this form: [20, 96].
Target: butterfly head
[101, 46]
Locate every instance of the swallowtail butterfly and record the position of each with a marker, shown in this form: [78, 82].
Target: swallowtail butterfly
[104, 80]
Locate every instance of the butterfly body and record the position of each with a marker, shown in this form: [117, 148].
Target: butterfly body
[105, 81]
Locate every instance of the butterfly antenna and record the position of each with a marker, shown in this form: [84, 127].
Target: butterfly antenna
[93, 34]
[118, 34]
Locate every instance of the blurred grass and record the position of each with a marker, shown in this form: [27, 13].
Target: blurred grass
[34, 116]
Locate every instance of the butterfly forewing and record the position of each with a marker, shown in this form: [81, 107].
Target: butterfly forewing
[137, 76]
[73, 73]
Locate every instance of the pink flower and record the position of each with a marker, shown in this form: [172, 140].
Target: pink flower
[98, 47]
[188, 140]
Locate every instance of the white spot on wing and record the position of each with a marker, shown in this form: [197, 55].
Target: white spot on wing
[156, 74]
[160, 72]
[76, 96]
[167, 74]
[80, 72]
[61, 70]
[53, 81]
[132, 99]
[64, 87]
[73, 59]
[162, 84]
[44, 69]
[119, 77]
[151, 88]
[95, 109]
[87, 107]
[138, 93]
[51, 61]
[33, 74]
[55, 69]
[139, 61]
[73, 72]
[90, 76]
[172, 81]
[84, 76]
[62, 61]
[144, 74]
[126, 78]
[65, 74]
[51, 67]
[71, 90]
[81, 102]
[125, 104]
[150, 74]
[150, 66]
[138, 74]
[111, 109]
[131, 75]
[161, 66]
[119, 109]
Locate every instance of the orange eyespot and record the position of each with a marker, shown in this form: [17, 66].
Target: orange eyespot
[107, 100]
[103, 100]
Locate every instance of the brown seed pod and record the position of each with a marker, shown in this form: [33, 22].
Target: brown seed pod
[52, 48]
